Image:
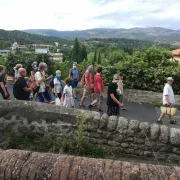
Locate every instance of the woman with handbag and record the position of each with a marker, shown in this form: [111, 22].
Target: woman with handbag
[168, 102]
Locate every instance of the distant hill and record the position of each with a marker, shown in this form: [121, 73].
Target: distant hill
[26, 38]
[151, 34]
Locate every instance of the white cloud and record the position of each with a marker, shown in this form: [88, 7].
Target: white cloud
[86, 14]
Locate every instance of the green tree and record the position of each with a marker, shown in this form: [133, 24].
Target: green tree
[95, 57]
[99, 60]
[3, 60]
[76, 54]
[83, 53]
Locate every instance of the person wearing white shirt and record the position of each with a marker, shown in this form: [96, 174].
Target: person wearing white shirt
[168, 99]
[58, 87]
[40, 81]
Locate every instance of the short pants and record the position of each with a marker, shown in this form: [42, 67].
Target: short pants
[74, 83]
[59, 95]
[44, 96]
[113, 111]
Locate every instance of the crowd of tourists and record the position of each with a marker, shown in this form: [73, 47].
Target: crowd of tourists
[41, 87]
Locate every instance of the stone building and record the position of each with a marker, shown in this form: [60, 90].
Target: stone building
[176, 55]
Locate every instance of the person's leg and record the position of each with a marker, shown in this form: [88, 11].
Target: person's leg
[41, 97]
[83, 97]
[100, 102]
[160, 118]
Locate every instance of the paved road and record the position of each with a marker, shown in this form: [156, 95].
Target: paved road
[135, 111]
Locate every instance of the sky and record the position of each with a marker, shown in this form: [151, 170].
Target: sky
[88, 14]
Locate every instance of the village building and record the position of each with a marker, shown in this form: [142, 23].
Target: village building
[4, 52]
[57, 57]
[176, 55]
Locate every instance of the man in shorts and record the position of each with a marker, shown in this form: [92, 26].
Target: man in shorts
[168, 99]
[98, 90]
[87, 87]
[74, 74]
[113, 102]
[3, 87]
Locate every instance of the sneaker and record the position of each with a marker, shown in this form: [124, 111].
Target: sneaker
[124, 109]
[173, 122]
[82, 106]
[90, 107]
[100, 111]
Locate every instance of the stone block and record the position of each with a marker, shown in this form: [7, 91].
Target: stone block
[133, 128]
[125, 145]
[175, 136]
[112, 124]
[122, 125]
[148, 153]
[144, 129]
[113, 143]
[139, 152]
[164, 133]
[154, 131]
[129, 151]
[104, 121]
[176, 150]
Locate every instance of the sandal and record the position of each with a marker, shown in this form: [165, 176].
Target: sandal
[159, 121]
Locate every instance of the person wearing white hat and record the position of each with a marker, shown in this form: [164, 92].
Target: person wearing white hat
[168, 99]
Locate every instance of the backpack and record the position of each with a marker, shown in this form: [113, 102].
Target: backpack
[83, 80]
[51, 83]
[15, 90]
[32, 82]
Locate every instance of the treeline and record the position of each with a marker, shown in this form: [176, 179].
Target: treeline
[7, 37]
[131, 44]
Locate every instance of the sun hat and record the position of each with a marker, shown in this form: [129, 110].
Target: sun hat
[170, 79]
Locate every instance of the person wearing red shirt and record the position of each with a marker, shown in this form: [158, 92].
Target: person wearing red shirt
[87, 86]
[98, 90]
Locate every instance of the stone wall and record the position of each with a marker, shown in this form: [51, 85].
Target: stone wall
[16, 164]
[119, 136]
[146, 96]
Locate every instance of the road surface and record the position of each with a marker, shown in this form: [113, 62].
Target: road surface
[135, 111]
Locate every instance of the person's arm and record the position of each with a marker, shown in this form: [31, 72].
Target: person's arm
[167, 99]
[115, 100]
[55, 90]
[4, 89]
[70, 73]
[41, 78]
[26, 89]
[120, 86]
[62, 99]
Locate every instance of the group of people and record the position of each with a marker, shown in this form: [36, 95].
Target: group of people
[40, 86]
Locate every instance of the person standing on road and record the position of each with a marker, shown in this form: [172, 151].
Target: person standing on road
[58, 87]
[168, 99]
[3, 85]
[121, 93]
[40, 77]
[67, 99]
[86, 83]
[74, 74]
[16, 68]
[98, 90]
[113, 102]
[21, 90]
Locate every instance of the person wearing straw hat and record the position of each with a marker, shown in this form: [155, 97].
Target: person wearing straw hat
[168, 99]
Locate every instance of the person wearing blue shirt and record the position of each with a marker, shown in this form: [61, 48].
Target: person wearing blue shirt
[74, 74]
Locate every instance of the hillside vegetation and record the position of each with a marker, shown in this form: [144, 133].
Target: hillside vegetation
[9, 37]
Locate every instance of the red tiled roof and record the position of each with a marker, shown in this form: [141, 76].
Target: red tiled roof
[176, 52]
